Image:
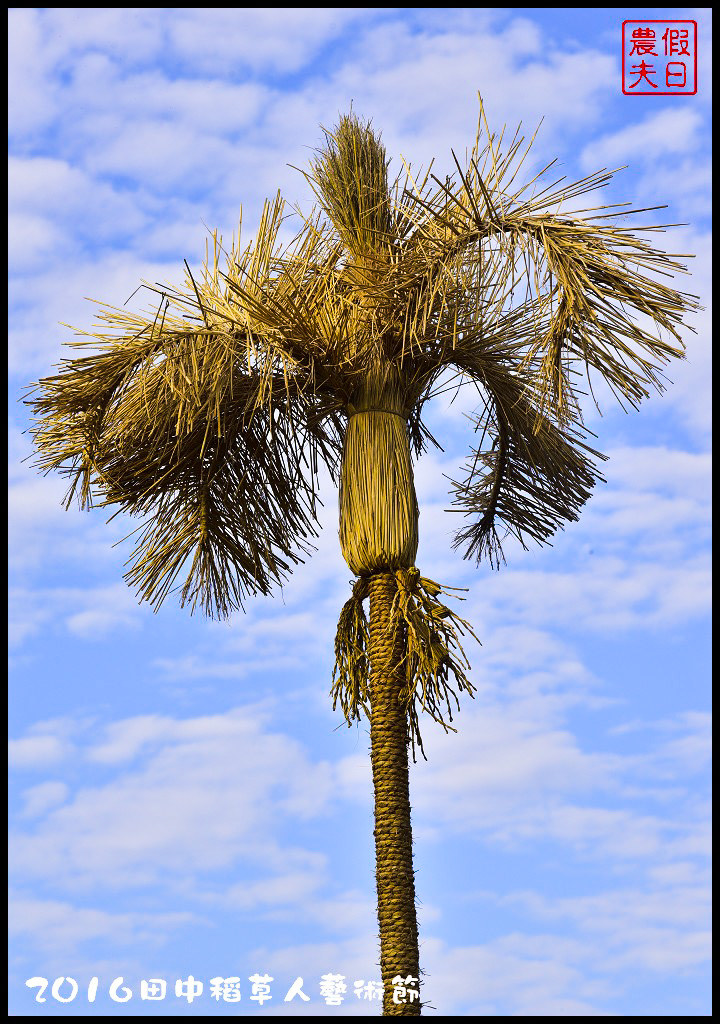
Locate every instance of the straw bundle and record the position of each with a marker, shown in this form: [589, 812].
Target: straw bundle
[378, 507]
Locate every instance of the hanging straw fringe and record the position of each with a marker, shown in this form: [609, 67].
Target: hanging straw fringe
[352, 666]
[433, 652]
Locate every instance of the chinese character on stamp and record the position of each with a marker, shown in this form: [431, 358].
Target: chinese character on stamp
[659, 58]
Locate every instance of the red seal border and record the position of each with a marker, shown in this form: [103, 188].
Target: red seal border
[660, 21]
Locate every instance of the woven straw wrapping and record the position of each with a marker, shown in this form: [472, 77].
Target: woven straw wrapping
[378, 506]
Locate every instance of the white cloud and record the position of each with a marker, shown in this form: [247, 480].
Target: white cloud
[515, 976]
[38, 799]
[204, 795]
[691, 751]
[603, 593]
[272, 39]
[58, 925]
[59, 211]
[37, 751]
[660, 928]
[32, 240]
[188, 798]
[95, 623]
[659, 468]
[668, 131]
[89, 612]
[34, 101]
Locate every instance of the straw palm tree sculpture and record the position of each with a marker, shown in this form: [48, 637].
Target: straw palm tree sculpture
[212, 416]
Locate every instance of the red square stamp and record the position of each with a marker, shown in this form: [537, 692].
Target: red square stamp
[659, 58]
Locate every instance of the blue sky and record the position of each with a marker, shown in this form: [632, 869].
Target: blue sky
[183, 798]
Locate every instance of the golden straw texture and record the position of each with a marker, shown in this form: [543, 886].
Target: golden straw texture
[378, 507]
[393, 833]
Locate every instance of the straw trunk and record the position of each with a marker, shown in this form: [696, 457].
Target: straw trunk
[399, 955]
[379, 535]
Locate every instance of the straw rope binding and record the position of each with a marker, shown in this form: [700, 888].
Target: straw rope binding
[432, 652]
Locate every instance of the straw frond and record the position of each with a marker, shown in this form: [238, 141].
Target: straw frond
[201, 419]
[351, 672]
[531, 479]
[434, 653]
[212, 414]
[350, 178]
[592, 289]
